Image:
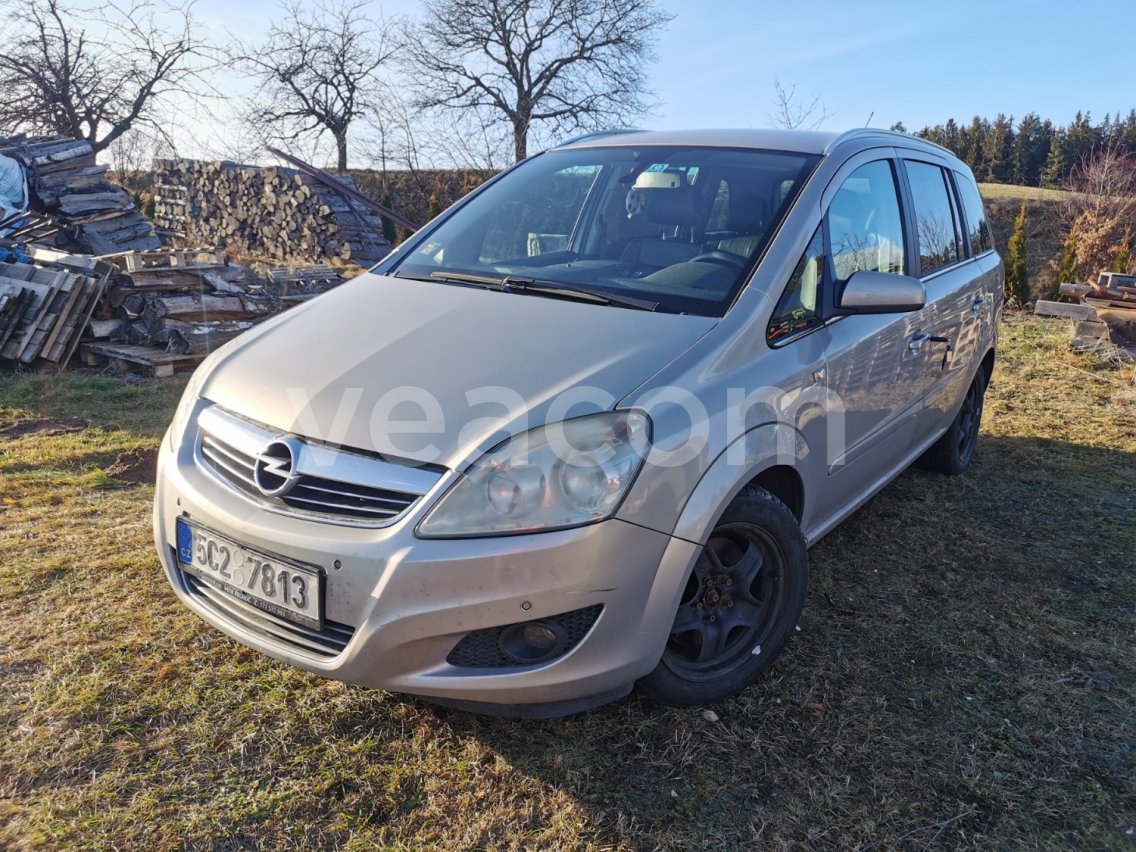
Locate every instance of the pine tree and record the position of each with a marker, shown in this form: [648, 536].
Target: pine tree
[435, 207]
[1017, 274]
[1123, 263]
[997, 146]
[1067, 272]
[1056, 165]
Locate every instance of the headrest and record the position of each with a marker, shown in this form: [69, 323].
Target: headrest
[747, 214]
[672, 207]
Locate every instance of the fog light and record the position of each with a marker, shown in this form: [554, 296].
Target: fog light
[532, 641]
[539, 636]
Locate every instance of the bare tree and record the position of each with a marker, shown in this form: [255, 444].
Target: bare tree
[563, 64]
[794, 112]
[1100, 204]
[318, 72]
[97, 74]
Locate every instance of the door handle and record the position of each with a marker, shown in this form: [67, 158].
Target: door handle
[916, 341]
[978, 306]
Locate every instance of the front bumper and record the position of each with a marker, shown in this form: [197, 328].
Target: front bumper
[403, 603]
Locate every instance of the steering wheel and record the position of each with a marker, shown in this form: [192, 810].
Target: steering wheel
[724, 258]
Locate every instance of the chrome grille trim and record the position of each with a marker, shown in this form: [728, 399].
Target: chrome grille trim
[334, 486]
[326, 644]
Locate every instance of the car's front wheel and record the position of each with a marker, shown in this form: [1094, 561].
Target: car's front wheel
[740, 606]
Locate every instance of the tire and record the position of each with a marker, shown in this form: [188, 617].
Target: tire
[740, 605]
[953, 453]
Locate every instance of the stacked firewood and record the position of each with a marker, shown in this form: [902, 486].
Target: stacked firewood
[66, 183]
[267, 212]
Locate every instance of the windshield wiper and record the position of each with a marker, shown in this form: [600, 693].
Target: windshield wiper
[517, 284]
[468, 278]
[555, 288]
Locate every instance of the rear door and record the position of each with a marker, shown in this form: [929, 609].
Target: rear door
[949, 336]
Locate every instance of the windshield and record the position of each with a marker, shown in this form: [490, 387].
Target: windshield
[679, 228]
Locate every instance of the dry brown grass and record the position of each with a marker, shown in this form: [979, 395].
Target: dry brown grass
[1012, 192]
[964, 675]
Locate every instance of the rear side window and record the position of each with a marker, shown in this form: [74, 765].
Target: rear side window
[864, 223]
[939, 241]
[976, 225]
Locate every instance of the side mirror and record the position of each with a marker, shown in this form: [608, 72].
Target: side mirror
[880, 293]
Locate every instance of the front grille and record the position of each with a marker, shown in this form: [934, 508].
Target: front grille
[481, 649]
[327, 483]
[326, 643]
[310, 493]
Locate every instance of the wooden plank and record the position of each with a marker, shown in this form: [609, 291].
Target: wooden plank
[66, 289]
[1045, 308]
[32, 316]
[1123, 305]
[157, 362]
[1091, 328]
[1074, 289]
[11, 309]
[63, 317]
[43, 254]
[176, 259]
[1113, 280]
[21, 298]
[96, 297]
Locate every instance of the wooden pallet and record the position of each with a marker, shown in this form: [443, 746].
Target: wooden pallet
[174, 259]
[129, 358]
[305, 277]
[56, 303]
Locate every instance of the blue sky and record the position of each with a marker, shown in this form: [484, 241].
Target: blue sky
[898, 60]
[905, 60]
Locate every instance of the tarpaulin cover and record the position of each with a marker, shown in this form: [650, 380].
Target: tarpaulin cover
[13, 187]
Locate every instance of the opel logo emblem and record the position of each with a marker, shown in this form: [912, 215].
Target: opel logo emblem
[275, 471]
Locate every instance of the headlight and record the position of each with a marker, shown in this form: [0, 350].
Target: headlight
[188, 401]
[561, 475]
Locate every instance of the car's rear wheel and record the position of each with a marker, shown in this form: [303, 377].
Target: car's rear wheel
[740, 605]
[953, 453]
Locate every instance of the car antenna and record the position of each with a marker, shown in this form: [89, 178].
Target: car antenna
[871, 115]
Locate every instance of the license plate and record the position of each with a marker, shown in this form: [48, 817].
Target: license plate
[279, 586]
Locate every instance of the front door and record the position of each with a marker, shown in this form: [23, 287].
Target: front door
[874, 372]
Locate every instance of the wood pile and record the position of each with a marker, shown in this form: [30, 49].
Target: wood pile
[45, 305]
[1105, 316]
[184, 301]
[271, 212]
[66, 183]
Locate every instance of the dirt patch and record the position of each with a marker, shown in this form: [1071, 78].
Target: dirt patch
[42, 426]
[138, 467]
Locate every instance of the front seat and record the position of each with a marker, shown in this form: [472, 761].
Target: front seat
[747, 219]
[673, 210]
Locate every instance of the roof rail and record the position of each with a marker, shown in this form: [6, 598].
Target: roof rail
[597, 134]
[857, 132]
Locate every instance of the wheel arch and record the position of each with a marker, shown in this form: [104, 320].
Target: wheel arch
[987, 365]
[773, 456]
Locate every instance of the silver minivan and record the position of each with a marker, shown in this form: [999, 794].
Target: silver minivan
[578, 433]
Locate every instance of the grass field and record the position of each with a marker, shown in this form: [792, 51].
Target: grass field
[965, 674]
[1011, 192]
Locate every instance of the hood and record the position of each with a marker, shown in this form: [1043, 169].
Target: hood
[435, 373]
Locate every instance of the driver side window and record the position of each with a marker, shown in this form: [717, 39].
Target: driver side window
[864, 223]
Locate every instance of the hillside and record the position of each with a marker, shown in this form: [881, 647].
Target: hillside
[1045, 233]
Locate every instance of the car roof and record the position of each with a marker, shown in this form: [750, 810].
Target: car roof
[799, 141]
